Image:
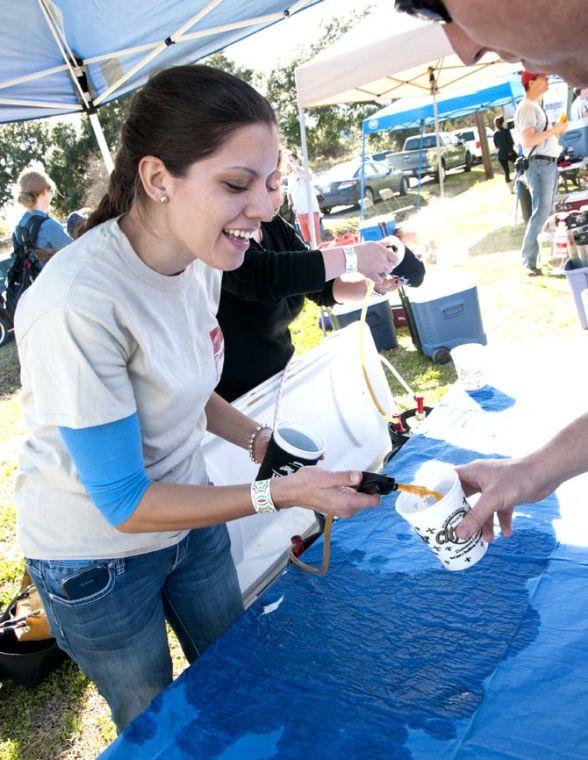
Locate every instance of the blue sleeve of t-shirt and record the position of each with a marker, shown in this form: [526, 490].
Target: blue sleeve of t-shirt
[109, 460]
[52, 235]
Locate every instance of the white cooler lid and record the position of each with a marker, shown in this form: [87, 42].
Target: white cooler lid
[439, 285]
[346, 308]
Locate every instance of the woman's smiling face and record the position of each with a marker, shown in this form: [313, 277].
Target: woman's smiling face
[219, 203]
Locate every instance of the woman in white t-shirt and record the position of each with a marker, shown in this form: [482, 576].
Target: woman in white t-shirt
[307, 215]
[120, 353]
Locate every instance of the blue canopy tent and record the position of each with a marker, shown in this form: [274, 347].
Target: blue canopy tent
[431, 110]
[63, 56]
[420, 111]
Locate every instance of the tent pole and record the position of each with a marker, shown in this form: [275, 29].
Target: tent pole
[433, 90]
[362, 181]
[420, 170]
[101, 140]
[439, 161]
[307, 181]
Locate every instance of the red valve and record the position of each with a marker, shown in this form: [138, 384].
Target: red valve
[297, 545]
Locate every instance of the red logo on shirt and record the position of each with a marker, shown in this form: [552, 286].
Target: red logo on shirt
[218, 349]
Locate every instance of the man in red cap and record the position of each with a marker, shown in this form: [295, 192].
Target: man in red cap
[540, 141]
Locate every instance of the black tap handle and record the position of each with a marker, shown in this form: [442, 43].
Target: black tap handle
[372, 482]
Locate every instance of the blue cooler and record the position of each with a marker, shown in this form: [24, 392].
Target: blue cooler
[377, 228]
[378, 318]
[444, 316]
[576, 137]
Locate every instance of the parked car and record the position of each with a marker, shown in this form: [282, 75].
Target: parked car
[419, 156]
[341, 185]
[471, 137]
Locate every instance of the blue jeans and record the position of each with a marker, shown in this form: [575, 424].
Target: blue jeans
[541, 179]
[117, 635]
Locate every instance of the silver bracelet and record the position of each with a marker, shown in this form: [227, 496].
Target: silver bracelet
[251, 441]
[261, 497]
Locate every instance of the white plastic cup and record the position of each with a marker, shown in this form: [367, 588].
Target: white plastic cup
[470, 364]
[436, 524]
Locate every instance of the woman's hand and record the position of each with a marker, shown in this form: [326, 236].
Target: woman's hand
[331, 493]
[389, 284]
[375, 261]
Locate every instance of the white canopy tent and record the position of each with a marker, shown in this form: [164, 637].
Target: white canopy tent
[388, 55]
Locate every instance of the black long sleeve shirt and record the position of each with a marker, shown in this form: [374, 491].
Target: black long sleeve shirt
[504, 143]
[261, 298]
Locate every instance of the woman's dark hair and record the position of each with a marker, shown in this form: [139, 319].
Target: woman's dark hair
[182, 115]
[499, 122]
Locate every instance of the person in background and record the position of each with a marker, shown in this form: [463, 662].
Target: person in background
[260, 300]
[120, 353]
[579, 109]
[35, 191]
[75, 222]
[298, 199]
[505, 149]
[541, 147]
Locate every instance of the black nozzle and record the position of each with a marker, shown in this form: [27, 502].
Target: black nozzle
[374, 483]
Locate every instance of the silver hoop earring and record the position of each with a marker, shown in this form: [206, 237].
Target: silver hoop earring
[164, 199]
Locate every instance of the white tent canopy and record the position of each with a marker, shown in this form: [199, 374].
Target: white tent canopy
[388, 55]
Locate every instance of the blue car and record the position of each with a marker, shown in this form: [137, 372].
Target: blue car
[341, 185]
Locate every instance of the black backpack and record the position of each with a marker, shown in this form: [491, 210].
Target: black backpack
[25, 266]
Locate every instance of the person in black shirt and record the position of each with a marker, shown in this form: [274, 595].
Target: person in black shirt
[505, 147]
[261, 298]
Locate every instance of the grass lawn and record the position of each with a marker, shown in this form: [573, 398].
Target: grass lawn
[472, 228]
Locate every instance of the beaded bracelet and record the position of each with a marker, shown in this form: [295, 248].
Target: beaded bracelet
[261, 497]
[251, 441]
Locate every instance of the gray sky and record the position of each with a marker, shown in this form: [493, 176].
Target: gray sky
[283, 41]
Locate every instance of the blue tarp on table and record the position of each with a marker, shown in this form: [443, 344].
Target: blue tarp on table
[391, 656]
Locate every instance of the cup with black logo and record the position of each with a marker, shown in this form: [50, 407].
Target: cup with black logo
[291, 447]
[435, 521]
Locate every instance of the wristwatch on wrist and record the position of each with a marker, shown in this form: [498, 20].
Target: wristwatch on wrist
[350, 259]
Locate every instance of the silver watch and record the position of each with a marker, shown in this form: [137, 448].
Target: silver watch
[350, 259]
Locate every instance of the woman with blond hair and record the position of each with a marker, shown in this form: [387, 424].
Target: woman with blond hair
[35, 238]
[34, 191]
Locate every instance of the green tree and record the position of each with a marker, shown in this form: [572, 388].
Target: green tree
[74, 161]
[68, 151]
[220, 61]
[331, 130]
[20, 145]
